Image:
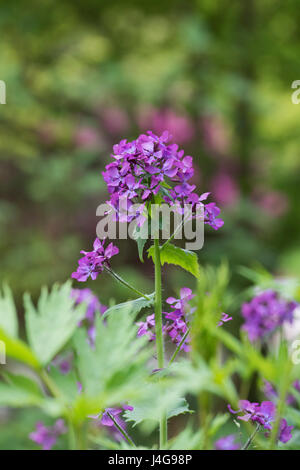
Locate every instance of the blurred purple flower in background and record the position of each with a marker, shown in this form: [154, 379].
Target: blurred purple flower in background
[179, 125]
[225, 189]
[106, 420]
[87, 137]
[266, 312]
[46, 436]
[94, 307]
[227, 443]
[285, 433]
[215, 134]
[114, 120]
[274, 203]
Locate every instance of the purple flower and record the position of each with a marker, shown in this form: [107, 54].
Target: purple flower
[185, 296]
[285, 431]
[227, 443]
[94, 261]
[106, 419]
[176, 325]
[147, 327]
[94, 307]
[225, 318]
[271, 392]
[266, 312]
[264, 414]
[47, 436]
[63, 362]
[143, 168]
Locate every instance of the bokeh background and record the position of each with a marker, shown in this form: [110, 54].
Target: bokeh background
[82, 75]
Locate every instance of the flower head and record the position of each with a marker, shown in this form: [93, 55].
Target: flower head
[46, 436]
[147, 166]
[94, 262]
[264, 415]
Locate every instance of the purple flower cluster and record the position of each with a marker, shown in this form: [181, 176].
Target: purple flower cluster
[263, 414]
[266, 312]
[145, 167]
[47, 436]
[176, 325]
[95, 261]
[177, 319]
[227, 443]
[94, 307]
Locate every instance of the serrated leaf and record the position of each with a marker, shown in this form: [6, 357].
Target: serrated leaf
[172, 254]
[134, 306]
[151, 408]
[115, 369]
[8, 314]
[53, 322]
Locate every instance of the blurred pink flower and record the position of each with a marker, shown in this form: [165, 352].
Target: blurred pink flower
[274, 203]
[115, 120]
[87, 137]
[225, 189]
[179, 125]
[215, 134]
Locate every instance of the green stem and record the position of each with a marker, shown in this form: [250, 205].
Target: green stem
[248, 443]
[121, 430]
[51, 385]
[179, 347]
[125, 283]
[159, 336]
[176, 230]
[75, 441]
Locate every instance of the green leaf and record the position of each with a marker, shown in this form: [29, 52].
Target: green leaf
[172, 254]
[23, 382]
[20, 391]
[154, 403]
[52, 324]
[135, 306]
[8, 314]
[18, 350]
[141, 239]
[115, 369]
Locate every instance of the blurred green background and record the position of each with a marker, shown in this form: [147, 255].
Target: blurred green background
[82, 75]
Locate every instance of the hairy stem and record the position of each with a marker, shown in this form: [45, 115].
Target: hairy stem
[248, 443]
[159, 335]
[121, 430]
[126, 284]
[179, 347]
